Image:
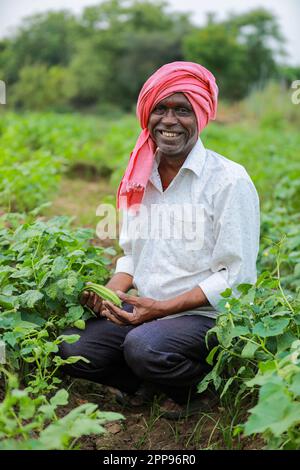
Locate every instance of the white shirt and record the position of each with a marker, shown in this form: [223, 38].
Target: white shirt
[223, 256]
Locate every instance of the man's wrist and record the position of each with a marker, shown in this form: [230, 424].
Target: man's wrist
[162, 308]
[190, 300]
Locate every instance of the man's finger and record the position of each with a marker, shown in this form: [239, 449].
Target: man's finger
[98, 305]
[90, 300]
[127, 298]
[84, 297]
[118, 312]
[112, 317]
[95, 299]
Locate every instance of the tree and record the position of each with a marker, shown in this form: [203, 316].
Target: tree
[241, 51]
[125, 42]
[47, 38]
[41, 88]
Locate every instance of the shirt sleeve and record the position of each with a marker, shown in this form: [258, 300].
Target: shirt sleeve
[236, 228]
[125, 263]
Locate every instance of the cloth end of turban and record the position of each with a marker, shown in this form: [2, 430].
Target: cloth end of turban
[130, 196]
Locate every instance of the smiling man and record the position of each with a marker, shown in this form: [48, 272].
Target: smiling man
[157, 339]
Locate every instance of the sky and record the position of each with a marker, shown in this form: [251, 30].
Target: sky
[287, 11]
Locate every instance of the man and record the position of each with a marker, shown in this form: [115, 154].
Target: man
[158, 337]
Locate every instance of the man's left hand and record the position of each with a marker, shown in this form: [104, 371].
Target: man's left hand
[144, 309]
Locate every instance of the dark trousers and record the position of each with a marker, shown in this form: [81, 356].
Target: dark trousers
[169, 353]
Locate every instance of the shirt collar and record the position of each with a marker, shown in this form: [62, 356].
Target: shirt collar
[195, 159]
[194, 162]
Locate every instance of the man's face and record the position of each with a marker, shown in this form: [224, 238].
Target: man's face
[173, 125]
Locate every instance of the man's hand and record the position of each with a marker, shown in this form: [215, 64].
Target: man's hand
[94, 302]
[144, 309]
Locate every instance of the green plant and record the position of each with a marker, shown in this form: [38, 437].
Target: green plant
[32, 422]
[277, 412]
[43, 268]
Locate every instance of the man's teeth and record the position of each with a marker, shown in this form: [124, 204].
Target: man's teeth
[170, 134]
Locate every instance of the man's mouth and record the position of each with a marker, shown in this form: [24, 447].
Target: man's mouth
[170, 134]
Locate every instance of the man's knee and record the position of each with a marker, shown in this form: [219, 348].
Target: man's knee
[138, 354]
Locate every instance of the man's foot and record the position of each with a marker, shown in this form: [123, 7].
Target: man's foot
[143, 396]
[200, 404]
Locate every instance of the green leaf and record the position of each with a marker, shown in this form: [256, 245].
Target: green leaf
[85, 426]
[239, 331]
[285, 340]
[8, 302]
[23, 273]
[227, 293]
[227, 385]
[30, 297]
[70, 339]
[75, 313]
[52, 290]
[50, 347]
[210, 357]
[33, 317]
[249, 350]
[80, 324]
[60, 398]
[270, 327]
[27, 408]
[295, 385]
[244, 288]
[59, 265]
[202, 386]
[275, 412]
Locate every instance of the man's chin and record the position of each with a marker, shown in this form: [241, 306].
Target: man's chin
[170, 150]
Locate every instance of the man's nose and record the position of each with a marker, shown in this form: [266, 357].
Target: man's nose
[169, 117]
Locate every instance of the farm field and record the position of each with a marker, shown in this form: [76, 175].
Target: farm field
[55, 170]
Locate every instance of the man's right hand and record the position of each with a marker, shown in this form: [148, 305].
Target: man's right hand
[119, 281]
[93, 301]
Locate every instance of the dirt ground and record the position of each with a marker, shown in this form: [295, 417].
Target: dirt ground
[145, 428]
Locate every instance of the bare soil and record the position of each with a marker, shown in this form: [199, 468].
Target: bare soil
[145, 428]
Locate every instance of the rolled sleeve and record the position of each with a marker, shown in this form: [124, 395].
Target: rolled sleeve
[236, 232]
[125, 265]
[212, 287]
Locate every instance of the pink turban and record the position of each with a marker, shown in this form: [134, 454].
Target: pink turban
[200, 88]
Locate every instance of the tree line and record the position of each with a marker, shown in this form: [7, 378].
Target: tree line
[100, 59]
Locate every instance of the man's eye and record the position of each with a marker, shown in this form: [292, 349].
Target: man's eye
[159, 110]
[182, 110]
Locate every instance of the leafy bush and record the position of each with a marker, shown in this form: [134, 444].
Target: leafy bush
[41, 88]
[32, 422]
[257, 359]
[43, 268]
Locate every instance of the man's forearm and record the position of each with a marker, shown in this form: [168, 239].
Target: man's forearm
[188, 301]
[120, 281]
